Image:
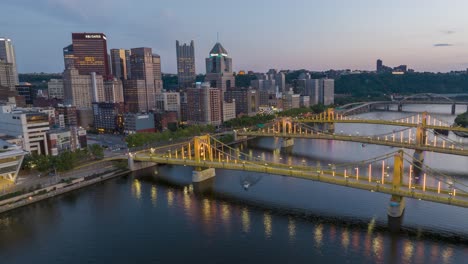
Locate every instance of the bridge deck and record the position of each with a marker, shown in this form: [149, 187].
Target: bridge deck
[360, 139]
[430, 194]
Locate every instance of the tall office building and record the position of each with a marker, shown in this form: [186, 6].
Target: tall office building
[7, 75]
[119, 63]
[204, 105]
[219, 68]
[158, 84]
[82, 90]
[7, 53]
[280, 80]
[128, 53]
[135, 96]
[88, 54]
[142, 68]
[68, 56]
[320, 91]
[186, 74]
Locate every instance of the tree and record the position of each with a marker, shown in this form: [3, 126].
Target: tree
[96, 151]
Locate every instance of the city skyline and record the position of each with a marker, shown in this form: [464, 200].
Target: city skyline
[314, 35]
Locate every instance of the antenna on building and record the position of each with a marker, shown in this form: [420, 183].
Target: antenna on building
[217, 37]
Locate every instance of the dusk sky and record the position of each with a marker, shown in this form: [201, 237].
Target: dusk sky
[427, 35]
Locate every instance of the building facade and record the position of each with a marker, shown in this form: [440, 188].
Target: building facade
[142, 68]
[186, 73]
[55, 88]
[89, 53]
[108, 117]
[135, 96]
[119, 63]
[139, 123]
[204, 105]
[246, 100]
[82, 90]
[168, 102]
[158, 83]
[219, 68]
[31, 125]
[7, 54]
[7, 75]
[229, 110]
[113, 91]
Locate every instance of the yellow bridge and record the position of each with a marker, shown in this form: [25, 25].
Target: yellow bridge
[424, 138]
[385, 174]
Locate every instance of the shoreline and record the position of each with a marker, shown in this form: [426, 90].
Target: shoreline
[55, 190]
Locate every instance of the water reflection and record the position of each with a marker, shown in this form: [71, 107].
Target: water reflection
[170, 197]
[267, 225]
[291, 229]
[154, 195]
[345, 238]
[245, 220]
[318, 235]
[136, 189]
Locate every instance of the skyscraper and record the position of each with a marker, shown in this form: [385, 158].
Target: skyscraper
[186, 74]
[68, 56]
[90, 53]
[119, 63]
[7, 53]
[7, 75]
[219, 68]
[158, 84]
[142, 68]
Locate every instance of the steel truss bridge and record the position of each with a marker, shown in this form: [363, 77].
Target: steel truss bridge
[426, 137]
[395, 173]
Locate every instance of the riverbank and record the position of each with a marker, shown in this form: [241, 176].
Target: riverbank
[57, 189]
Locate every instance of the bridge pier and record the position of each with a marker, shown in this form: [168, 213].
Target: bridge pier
[287, 142]
[396, 206]
[454, 108]
[400, 107]
[203, 174]
[131, 162]
[329, 127]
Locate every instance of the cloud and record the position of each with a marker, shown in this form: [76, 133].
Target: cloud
[448, 32]
[443, 45]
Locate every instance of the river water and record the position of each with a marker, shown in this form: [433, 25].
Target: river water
[158, 216]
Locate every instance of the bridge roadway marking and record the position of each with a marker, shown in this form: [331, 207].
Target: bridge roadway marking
[360, 139]
[315, 176]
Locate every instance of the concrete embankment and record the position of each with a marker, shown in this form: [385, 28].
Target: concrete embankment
[55, 190]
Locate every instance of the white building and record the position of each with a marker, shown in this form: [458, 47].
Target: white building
[28, 124]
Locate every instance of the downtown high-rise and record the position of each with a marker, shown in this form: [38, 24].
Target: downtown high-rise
[186, 74]
[88, 53]
[219, 68]
[119, 59]
[7, 55]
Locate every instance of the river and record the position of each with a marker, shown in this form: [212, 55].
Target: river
[158, 216]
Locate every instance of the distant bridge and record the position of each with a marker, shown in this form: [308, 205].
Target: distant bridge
[423, 139]
[424, 98]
